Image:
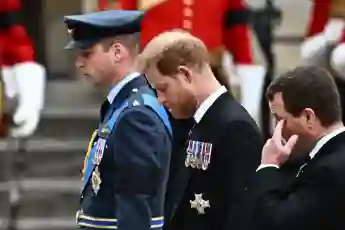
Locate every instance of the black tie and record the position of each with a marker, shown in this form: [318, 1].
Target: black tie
[104, 109]
[301, 169]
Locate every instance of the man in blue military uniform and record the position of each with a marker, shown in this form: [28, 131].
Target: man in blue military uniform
[127, 163]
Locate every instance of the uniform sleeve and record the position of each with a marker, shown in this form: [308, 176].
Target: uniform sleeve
[236, 34]
[241, 147]
[309, 205]
[18, 47]
[319, 15]
[127, 4]
[141, 159]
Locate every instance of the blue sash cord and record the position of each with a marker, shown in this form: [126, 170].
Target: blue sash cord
[150, 101]
[110, 125]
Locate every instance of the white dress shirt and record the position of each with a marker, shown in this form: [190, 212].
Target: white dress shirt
[207, 103]
[319, 144]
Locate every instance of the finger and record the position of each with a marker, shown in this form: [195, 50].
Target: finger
[283, 141]
[268, 142]
[291, 143]
[278, 129]
[277, 135]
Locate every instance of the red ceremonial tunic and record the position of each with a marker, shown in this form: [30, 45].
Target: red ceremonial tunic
[322, 11]
[220, 24]
[15, 44]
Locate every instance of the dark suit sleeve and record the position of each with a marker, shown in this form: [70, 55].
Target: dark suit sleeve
[241, 146]
[141, 158]
[307, 206]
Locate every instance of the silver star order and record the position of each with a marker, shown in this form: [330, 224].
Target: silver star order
[199, 203]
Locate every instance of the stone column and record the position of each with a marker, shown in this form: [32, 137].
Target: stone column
[59, 61]
[89, 5]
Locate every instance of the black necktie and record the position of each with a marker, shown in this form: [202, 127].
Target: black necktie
[192, 125]
[104, 109]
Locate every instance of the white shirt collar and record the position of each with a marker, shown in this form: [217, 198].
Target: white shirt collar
[322, 141]
[117, 88]
[206, 104]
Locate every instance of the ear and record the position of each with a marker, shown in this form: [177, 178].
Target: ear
[309, 115]
[117, 51]
[185, 72]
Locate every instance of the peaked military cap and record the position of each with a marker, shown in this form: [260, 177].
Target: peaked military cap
[87, 29]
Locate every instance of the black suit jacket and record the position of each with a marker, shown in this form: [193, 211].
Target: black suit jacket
[236, 151]
[315, 200]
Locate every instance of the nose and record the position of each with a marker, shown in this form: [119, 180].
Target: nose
[161, 98]
[79, 63]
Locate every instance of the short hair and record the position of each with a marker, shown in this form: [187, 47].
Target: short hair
[130, 41]
[308, 87]
[171, 49]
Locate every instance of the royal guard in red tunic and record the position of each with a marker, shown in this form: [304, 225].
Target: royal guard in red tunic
[325, 42]
[222, 25]
[22, 77]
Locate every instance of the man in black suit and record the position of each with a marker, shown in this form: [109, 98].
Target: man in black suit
[306, 103]
[208, 179]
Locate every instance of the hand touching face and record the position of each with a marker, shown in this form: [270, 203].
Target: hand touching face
[276, 150]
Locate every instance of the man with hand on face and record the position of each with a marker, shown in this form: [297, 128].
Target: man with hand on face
[208, 182]
[126, 167]
[306, 103]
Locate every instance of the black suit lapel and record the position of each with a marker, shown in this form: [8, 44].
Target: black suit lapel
[211, 122]
[179, 174]
[330, 147]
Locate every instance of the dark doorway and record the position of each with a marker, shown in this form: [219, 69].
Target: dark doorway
[32, 12]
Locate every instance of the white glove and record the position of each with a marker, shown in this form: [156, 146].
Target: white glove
[337, 61]
[314, 50]
[10, 82]
[334, 30]
[31, 79]
[26, 123]
[252, 80]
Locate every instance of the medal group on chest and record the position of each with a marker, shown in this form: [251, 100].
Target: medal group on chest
[95, 155]
[198, 156]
